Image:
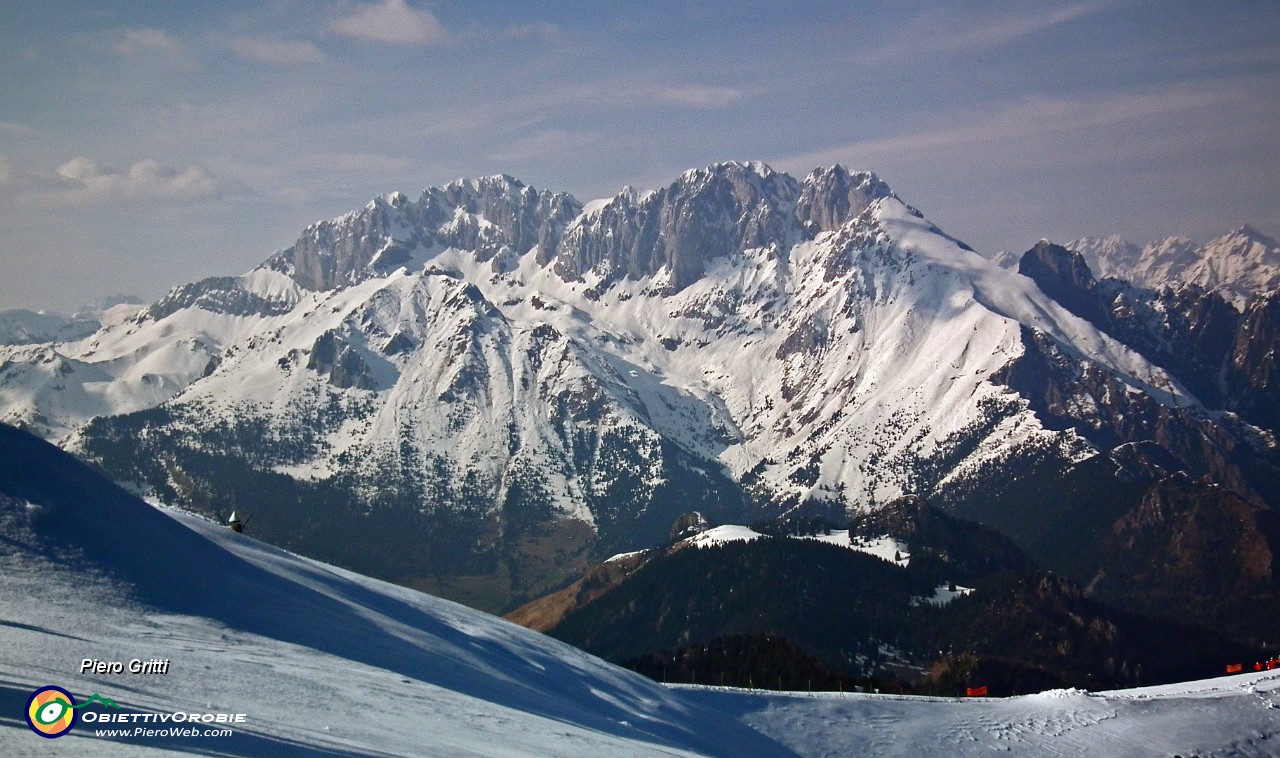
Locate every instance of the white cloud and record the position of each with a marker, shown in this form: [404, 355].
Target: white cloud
[146, 178]
[392, 22]
[84, 179]
[275, 52]
[138, 41]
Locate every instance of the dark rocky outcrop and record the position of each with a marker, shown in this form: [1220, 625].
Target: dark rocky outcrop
[333, 355]
[218, 294]
[688, 525]
[1065, 277]
[1252, 375]
[1225, 357]
[1068, 393]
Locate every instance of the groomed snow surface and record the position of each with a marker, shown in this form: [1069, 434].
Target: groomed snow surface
[324, 662]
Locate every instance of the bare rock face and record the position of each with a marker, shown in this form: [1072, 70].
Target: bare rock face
[1253, 374]
[1227, 358]
[706, 214]
[1065, 277]
[337, 253]
[218, 294]
[1068, 393]
[1194, 550]
[832, 196]
[485, 216]
[340, 361]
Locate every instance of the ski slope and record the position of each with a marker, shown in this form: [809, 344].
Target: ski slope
[328, 663]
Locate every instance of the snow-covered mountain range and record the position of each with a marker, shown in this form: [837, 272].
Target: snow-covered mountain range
[1239, 265]
[513, 382]
[24, 327]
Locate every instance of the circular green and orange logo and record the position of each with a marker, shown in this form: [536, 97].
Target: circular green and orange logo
[51, 712]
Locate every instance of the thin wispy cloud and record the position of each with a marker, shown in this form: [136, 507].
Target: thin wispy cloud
[1005, 30]
[392, 22]
[532, 109]
[543, 143]
[949, 30]
[696, 96]
[1025, 119]
[630, 92]
[275, 52]
[145, 40]
[535, 30]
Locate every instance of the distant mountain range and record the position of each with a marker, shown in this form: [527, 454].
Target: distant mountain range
[1239, 265]
[24, 327]
[485, 390]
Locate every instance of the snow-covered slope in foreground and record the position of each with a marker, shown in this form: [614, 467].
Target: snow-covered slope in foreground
[325, 662]
[1231, 716]
[321, 661]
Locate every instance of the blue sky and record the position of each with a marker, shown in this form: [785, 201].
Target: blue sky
[147, 144]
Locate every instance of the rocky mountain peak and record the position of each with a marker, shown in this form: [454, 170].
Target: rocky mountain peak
[705, 213]
[832, 196]
[1108, 256]
[1064, 276]
[485, 215]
